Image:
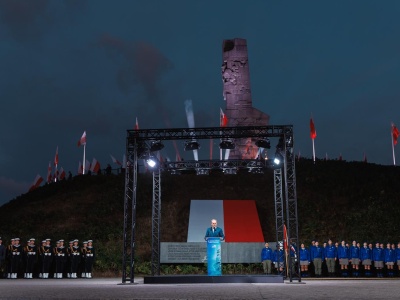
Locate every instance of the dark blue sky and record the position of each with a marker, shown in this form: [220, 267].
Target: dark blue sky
[70, 66]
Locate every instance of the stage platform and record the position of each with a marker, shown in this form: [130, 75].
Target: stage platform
[188, 279]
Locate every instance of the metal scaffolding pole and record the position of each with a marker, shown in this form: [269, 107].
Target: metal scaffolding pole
[279, 219]
[156, 222]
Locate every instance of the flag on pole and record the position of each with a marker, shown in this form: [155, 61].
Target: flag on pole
[395, 134]
[340, 157]
[285, 238]
[95, 166]
[313, 132]
[49, 173]
[115, 160]
[136, 125]
[36, 183]
[56, 157]
[82, 140]
[62, 174]
[223, 119]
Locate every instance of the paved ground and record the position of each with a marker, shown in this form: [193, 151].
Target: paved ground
[111, 288]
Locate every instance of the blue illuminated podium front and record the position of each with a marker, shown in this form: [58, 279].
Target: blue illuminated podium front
[214, 256]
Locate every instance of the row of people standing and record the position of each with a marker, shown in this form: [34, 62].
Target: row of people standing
[343, 258]
[40, 261]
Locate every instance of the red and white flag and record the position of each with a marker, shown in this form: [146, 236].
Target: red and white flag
[285, 238]
[395, 134]
[95, 166]
[49, 173]
[115, 160]
[136, 125]
[82, 140]
[313, 132]
[36, 183]
[62, 174]
[223, 119]
[56, 157]
[80, 169]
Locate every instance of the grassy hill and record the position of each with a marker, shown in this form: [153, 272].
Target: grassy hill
[336, 199]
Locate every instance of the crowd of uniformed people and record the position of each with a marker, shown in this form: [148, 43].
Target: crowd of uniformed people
[336, 259]
[46, 261]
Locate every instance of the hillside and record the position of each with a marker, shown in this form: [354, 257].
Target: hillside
[340, 200]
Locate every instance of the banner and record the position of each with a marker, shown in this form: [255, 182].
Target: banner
[214, 256]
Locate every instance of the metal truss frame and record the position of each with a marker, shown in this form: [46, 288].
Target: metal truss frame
[285, 188]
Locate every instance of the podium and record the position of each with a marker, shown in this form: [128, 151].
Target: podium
[214, 266]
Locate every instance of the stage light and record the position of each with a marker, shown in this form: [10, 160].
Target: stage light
[265, 143]
[175, 172]
[191, 145]
[151, 162]
[156, 146]
[227, 144]
[278, 158]
[230, 171]
[202, 171]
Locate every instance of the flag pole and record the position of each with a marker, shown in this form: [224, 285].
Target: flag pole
[313, 150]
[84, 158]
[394, 157]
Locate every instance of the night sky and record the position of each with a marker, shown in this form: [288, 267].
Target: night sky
[74, 65]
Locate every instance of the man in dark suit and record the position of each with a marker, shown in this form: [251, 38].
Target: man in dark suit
[214, 231]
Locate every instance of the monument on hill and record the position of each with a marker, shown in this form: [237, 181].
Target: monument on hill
[237, 94]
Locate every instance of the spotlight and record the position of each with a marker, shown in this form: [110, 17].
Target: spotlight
[202, 171]
[227, 144]
[230, 171]
[151, 161]
[156, 146]
[192, 145]
[278, 158]
[264, 143]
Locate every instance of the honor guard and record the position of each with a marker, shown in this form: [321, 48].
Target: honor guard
[60, 255]
[75, 258]
[30, 252]
[2, 258]
[68, 264]
[83, 261]
[15, 258]
[89, 259]
[46, 255]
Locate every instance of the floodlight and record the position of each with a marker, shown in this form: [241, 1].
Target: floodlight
[227, 144]
[156, 146]
[191, 145]
[264, 143]
[278, 158]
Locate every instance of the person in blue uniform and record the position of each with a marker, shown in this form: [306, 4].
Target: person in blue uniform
[330, 258]
[60, 254]
[75, 258]
[305, 259]
[389, 257]
[16, 253]
[267, 256]
[90, 256]
[355, 257]
[214, 231]
[366, 259]
[343, 255]
[377, 257]
[279, 259]
[317, 257]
